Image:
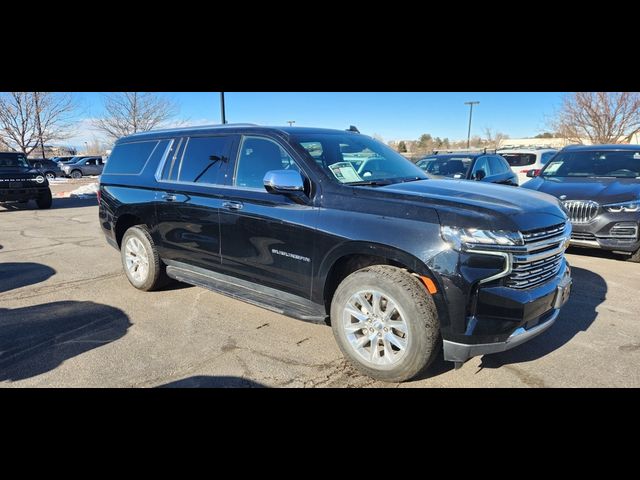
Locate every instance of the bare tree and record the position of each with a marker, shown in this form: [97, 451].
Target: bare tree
[29, 119]
[17, 125]
[96, 147]
[53, 116]
[132, 112]
[600, 117]
[494, 139]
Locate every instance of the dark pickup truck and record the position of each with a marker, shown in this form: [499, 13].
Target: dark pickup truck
[283, 218]
[20, 182]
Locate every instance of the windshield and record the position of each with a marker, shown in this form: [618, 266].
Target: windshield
[357, 159]
[13, 160]
[453, 167]
[615, 164]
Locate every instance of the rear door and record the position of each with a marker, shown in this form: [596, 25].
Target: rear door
[191, 186]
[267, 238]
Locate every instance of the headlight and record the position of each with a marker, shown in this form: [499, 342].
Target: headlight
[623, 207]
[458, 237]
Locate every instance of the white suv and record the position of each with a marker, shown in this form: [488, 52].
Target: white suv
[522, 160]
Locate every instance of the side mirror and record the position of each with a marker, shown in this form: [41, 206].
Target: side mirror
[283, 181]
[533, 173]
[480, 174]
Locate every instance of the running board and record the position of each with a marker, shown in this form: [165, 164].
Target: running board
[259, 295]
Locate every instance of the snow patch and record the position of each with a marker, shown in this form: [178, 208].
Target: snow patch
[85, 190]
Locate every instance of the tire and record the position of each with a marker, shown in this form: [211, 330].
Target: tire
[50, 175]
[45, 200]
[635, 258]
[138, 244]
[76, 174]
[414, 306]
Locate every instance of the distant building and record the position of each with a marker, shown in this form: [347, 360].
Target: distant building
[538, 142]
[53, 151]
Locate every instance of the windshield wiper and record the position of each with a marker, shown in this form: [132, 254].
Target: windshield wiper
[374, 183]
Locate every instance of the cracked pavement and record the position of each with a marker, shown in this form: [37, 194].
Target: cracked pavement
[69, 318]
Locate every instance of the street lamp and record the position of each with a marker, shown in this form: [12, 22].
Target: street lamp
[222, 112]
[471, 104]
[291, 122]
[86, 147]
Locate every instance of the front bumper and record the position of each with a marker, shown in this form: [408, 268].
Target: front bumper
[461, 352]
[601, 232]
[21, 194]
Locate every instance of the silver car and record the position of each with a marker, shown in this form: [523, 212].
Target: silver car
[83, 166]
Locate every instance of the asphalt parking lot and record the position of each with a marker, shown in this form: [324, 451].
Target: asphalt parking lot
[69, 318]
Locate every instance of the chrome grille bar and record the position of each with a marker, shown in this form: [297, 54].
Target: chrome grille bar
[581, 211]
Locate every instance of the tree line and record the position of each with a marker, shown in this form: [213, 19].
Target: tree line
[29, 121]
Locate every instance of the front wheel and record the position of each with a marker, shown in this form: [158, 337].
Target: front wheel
[45, 200]
[385, 322]
[50, 176]
[140, 260]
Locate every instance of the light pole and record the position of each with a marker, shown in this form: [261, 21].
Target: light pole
[291, 122]
[86, 147]
[471, 104]
[222, 112]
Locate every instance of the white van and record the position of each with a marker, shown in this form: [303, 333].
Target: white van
[522, 160]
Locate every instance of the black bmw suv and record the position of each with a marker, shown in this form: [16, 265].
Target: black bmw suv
[600, 188]
[20, 182]
[328, 225]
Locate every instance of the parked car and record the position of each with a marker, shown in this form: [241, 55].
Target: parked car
[83, 166]
[20, 182]
[522, 161]
[479, 166]
[63, 159]
[48, 167]
[401, 264]
[600, 188]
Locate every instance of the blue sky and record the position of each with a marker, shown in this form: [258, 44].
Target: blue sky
[394, 116]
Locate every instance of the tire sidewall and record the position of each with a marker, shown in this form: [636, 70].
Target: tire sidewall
[149, 250]
[421, 342]
[76, 174]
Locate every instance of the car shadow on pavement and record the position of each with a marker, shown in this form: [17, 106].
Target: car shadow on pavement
[207, 381]
[588, 291]
[58, 204]
[20, 274]
[37, 339]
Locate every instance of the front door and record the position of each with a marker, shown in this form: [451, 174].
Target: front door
[266, 237]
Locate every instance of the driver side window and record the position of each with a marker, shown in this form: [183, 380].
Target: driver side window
[258, 156]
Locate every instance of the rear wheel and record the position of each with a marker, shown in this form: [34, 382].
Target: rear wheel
[76, 174]
[140, 260]
[44, 201]
[385, 322]
[50, 175]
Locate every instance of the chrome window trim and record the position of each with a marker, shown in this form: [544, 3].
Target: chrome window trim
[163, 160]
[184, 150]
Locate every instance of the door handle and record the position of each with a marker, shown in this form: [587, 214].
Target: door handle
[233, 205]
[169, 197]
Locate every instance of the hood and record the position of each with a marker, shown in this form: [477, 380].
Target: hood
[601, 190]
[465, 203]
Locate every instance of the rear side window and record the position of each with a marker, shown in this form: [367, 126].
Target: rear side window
[174, 156]
[519, 159]
[129, 158]
[205, 160]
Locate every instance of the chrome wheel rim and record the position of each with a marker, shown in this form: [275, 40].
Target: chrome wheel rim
[50, 176]
[375, 327]
[136, 259]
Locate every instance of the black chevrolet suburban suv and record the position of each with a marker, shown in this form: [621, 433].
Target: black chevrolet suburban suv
[599, 186]
[20, 182]
[327, 225]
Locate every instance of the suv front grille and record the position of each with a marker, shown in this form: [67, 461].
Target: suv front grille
[530, 274]
[541, 257]
[582, 236]
[581, 211]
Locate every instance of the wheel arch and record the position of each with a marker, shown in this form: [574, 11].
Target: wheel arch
[352, 256]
